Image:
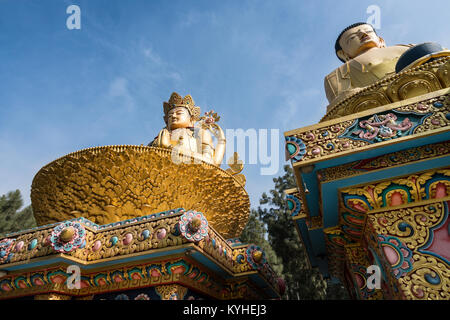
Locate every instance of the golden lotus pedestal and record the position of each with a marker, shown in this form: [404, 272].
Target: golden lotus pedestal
[140, 223]
[114, 183]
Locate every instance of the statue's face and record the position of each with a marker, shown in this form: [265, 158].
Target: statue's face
[359, 39]
[179, 117]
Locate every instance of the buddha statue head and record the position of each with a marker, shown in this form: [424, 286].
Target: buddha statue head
[188, 132]
[180, 112]
[357, 39]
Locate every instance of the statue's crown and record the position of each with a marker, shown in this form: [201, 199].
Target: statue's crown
[176, 100]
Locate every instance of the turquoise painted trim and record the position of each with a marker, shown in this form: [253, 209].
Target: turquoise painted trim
[329, 190]
[436, 178]
[135, 258]
[314, 242]
[50, 261]
[381, 150]
[396, 187]
[363, 199]
[234, 242]
[210, 264]
[304, 233]
[312, 199]
[88, 223]
[40, 264]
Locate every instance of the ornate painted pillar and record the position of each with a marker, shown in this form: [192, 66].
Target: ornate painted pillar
[171, 292]
[411, 245]
[356, 266]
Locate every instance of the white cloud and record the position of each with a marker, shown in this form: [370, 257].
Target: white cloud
[175, 76]
[153, 56]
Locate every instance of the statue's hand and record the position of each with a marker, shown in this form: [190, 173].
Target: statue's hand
[165, 139]
[221, 143]
[219, 133]
[162, 140]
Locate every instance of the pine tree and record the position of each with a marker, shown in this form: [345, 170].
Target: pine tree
[256, 233]
[12, 220]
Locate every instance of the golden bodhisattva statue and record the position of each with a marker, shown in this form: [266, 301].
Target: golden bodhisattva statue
[189, 133]
[366, 60]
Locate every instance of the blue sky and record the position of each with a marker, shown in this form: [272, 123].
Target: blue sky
[259, 64]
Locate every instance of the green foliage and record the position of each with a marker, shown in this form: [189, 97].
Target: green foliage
[255, 232]
[11, 219]
[272, 228]
[336, 291]
[302, 282]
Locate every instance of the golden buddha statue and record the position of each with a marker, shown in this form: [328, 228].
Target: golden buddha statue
[366, 61]
[189, 133]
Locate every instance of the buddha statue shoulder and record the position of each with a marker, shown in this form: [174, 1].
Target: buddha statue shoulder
[189, 133]
[366, 59]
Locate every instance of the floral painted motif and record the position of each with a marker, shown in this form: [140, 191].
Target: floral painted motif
[193, 226]
[240, 259]
[68, 236]
[397, 255]
[5, 249]
[122, 296]
[294, 205]
[256, 257]
[210, 117]
[295, 148]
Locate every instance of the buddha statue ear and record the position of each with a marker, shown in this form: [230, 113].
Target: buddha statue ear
[342, 55]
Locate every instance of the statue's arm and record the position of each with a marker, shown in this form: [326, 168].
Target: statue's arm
[331, 89]
[338, 86]
[206, 147]
[220, 148]
[208, 151]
